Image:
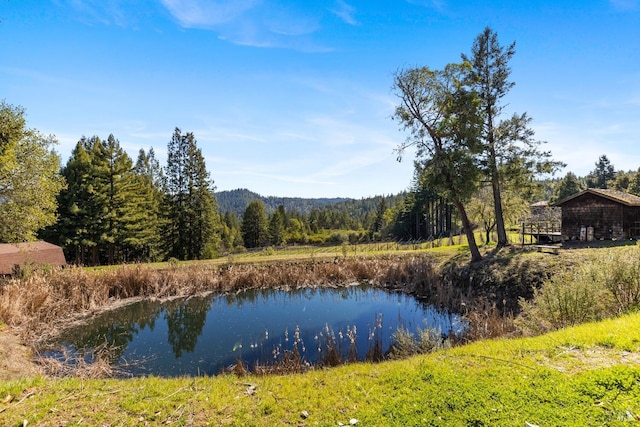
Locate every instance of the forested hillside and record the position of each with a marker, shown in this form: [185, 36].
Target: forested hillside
[236, 201]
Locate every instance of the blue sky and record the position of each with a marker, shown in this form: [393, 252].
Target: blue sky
[293, 98]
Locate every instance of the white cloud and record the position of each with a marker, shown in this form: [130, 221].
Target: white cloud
[345, 12]
[301, 153]
[199, 14]
[256, 23]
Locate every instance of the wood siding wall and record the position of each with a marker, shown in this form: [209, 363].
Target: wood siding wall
[608, 218]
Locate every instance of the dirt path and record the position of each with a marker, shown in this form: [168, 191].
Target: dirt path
[15, 359]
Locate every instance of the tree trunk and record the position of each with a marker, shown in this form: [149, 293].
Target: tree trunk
[497, 199]
[468, 230]
[497, 202]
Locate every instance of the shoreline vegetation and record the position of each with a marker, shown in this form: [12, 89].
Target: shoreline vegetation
[514, 292]
[39, 305]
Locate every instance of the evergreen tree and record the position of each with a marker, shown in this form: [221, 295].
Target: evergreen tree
[601, 176]
[509, 154]
[421, 214]
[176, 237]
[193, 222]
[567, 186]
[634, 183]
[30, 177]
[75, 215]
[100, 207]
[622, 181]
[378, 222]
[314, 220]
[231, 236]
[277, 226]
[144, 232]
[114, 170]
[490, 73]
[95, 199]
[254, 225]
[405, 224]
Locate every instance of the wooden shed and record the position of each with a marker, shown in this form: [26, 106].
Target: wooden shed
[15, 256]
[600, 214]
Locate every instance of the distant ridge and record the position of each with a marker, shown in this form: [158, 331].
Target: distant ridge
[237, 201]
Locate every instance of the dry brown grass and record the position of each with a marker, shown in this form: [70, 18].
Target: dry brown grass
[39, 306]
[487, 320]
[76, 366]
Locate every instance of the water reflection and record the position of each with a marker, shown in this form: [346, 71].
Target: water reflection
[202, 335]
[185, 320]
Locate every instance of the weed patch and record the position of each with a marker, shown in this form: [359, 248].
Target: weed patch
[605, 285]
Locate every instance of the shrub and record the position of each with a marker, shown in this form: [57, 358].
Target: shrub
[268, 251]
[338, 238]
[606, 285]
[317, 239]
[620, 274]
[567, 300]
[406, 344]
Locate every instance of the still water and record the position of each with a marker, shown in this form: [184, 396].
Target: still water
[203, 335]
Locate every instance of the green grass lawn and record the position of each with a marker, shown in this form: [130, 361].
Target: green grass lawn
[583, 376]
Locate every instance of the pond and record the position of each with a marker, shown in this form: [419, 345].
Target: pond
[204, 335]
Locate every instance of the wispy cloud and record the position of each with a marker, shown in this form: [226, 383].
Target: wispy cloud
[594, 140]
[312, 152]
[257, 23]
[113, 12]
[198, 14]
[345, 12]
[625, 5]
[34, 76]
[434, 4]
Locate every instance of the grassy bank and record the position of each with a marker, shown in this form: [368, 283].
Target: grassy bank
[585, 375]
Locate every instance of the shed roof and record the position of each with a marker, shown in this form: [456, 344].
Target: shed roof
[12, 254]
[540, 204]
[621, 197]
